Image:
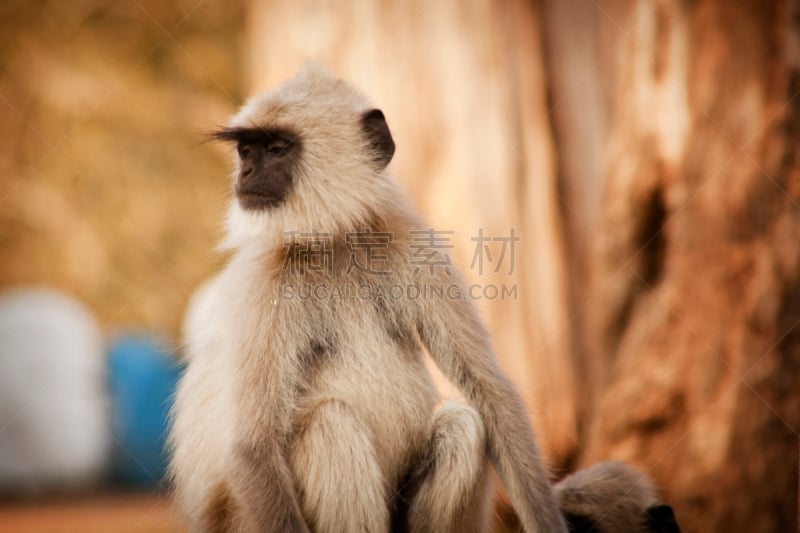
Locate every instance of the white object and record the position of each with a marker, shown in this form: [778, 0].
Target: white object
[54, 428]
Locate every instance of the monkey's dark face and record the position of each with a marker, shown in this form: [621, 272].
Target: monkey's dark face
[267, 164]
[270, 157]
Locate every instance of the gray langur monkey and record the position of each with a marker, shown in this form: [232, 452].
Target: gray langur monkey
[304, 414]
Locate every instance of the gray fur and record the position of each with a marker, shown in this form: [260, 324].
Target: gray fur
[613, 497]
[300, 414]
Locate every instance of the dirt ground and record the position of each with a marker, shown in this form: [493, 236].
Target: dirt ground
[96, 513]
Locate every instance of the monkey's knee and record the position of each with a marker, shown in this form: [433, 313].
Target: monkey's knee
[341, 485]
[453, 492]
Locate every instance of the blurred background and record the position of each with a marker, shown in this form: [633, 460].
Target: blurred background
[645, 152]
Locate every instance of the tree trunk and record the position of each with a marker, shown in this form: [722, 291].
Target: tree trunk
[695, 259]
[645, 152]
[463, 90]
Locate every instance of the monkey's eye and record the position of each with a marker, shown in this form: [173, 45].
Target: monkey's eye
[278, 147]
[243, 149]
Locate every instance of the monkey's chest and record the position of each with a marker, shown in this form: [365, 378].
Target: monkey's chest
[388, 391]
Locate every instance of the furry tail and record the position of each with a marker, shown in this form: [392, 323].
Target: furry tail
[613, 497]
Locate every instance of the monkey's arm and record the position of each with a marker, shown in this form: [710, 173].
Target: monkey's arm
[456, 339]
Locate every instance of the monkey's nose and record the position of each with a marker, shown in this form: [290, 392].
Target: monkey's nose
[247, 169]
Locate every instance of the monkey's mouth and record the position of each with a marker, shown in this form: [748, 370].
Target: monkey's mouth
[254, 199]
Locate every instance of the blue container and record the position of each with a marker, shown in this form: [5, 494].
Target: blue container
[142, 380]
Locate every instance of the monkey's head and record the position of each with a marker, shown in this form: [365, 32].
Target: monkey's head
[310, 154]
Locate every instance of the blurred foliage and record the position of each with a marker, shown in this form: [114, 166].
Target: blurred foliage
[106, 189]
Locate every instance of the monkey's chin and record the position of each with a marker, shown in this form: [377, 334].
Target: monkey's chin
[244, 226]
[250, 201]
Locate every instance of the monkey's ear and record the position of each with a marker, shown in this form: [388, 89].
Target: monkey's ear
[380, 139]
[661, 519]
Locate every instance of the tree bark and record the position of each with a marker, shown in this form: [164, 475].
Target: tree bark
[646, 152]
[694, 332]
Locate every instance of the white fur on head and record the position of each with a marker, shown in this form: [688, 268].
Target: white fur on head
[336, 179]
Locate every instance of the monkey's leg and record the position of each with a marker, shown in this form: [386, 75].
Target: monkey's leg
[453, 492]
[342, 488]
